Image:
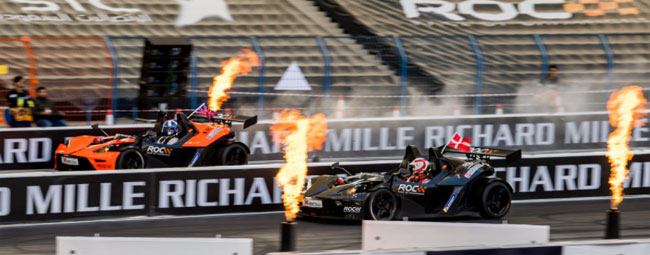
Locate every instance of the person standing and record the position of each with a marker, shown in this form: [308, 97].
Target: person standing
[550, 96]
[20, 104]
[45, 114]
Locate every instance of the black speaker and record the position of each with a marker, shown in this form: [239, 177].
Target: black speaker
[164, 74]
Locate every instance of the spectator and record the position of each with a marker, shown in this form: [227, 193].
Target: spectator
[20, 104]
[550, 96]
[44, 112]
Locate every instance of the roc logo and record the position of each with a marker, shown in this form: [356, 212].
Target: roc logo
[351, 209]
[162, 151]
[411, 189]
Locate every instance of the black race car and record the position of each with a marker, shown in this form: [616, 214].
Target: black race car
[457, 187]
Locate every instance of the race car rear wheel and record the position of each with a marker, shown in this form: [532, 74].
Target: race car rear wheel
[382, 205]
[495, 200]
[232, 154]
[130, 159]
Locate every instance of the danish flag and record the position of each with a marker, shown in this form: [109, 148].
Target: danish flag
[460, 143]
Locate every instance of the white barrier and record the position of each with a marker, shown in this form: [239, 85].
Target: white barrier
[407, 234]
[160, 246]
[617, 247]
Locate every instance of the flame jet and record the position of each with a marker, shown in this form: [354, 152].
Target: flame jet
[229, 70]
[298, 134]
[625, 108]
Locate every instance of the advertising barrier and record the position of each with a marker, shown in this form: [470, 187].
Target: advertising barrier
[41, 196]
[353, 139]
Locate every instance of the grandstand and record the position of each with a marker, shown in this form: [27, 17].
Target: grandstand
[285, 31]
[513, 52]
[374, 47]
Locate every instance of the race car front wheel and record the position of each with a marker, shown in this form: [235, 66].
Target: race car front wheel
[495, 200]
[382, 205]
[232, 154]
[130, 159]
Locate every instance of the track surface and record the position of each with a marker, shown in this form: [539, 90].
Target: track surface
[568, 221]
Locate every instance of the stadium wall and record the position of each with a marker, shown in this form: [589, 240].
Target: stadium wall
[367, 138]
[38, 196]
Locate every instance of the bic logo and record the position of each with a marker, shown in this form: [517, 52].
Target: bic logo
[411, 189]
[598, 8]
[155, 150]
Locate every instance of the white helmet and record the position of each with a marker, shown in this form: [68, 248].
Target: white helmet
[419, 165]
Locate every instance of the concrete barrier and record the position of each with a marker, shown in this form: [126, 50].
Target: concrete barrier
[66, 245]
[407, 234]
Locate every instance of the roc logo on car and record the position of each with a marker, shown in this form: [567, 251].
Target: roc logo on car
[155, 150]
[352, 209]
[411, 189]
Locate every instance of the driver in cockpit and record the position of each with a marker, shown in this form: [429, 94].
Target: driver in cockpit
[169, 133]
[419, 170]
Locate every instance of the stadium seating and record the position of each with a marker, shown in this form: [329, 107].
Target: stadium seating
[511, 57]
[285, 29]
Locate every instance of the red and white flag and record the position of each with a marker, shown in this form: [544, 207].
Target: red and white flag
[460, 143]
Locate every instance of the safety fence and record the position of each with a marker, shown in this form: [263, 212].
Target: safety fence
[377, 76]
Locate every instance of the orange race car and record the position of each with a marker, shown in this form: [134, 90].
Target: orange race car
[198, 144]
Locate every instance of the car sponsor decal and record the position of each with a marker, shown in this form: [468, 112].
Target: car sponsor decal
[411, 189]
[70, 161]
[214, 132]
[161, 151]
[312, 202]
[196, 156]
[352, 209]
[471, 172]
[451, 200]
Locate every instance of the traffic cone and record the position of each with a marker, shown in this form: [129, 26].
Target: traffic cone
[340, 107]
[110, 120]
[396, 111]
[499, 109]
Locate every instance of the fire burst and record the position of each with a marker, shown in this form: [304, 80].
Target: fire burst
[298, 134]
[229, 70]
[625, 108]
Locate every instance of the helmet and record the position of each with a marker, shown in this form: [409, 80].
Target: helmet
[170, 127]
[419, 165]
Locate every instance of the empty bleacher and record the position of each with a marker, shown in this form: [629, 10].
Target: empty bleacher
[510, 56]
[286, 31]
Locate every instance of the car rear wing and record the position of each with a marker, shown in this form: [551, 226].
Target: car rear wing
[510, 156]
[246, 120]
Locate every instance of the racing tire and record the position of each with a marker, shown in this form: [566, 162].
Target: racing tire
[130, 159]
[495, 200]
[382, 205]
[232, 154]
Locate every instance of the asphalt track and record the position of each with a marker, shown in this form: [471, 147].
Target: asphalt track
[576, 220]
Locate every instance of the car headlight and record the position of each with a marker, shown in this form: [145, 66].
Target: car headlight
[102, 149]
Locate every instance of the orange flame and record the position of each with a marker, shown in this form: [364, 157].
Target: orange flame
[298, 134]
[229, 71]
[625, 108]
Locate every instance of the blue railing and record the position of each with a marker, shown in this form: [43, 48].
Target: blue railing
[396, 54]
